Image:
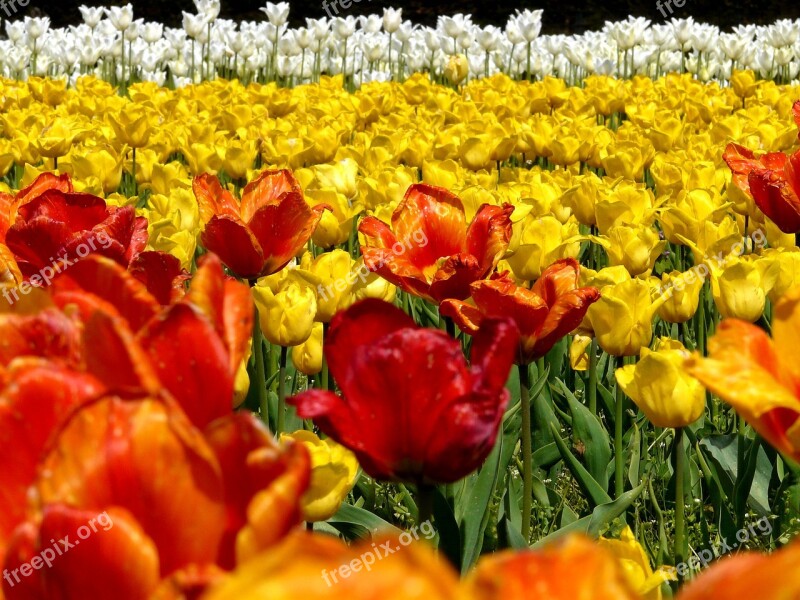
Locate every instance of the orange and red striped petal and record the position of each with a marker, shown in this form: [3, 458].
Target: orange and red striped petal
[489, 234]
[162, 275]
[234, 243]
[212, 199]
[269, 188]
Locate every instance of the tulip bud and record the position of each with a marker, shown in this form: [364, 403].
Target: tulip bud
[457, 69]
[287, 305]
[681, 293]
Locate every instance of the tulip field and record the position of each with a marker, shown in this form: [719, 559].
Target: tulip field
[372, 310]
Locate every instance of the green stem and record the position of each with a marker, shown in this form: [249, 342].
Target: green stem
[680, 506]
[261, 378]
[527, 475]
[425, 503]
[324, 376]
[281, 390]
[135, 184]
[619, 459]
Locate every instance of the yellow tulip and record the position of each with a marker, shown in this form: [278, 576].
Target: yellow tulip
[457, 69]
[539, 242]
[624, 204]
[103, 162]
[740, 286]
[683, 218]
[307, 357]
[622, 319]
[661, 387]
[744, 83]
[635, 248]
[788, 271]
[133, 124]
[636, 565]
[578, 352]
[333, 474]
[628, 160]
[342, 282]
[581, 198]
[287, 305]
[682, 295]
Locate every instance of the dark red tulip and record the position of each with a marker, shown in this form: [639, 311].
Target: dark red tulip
[411, 408]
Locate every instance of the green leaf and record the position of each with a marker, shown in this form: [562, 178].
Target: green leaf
[636, 448]
[357, 523]
[447, 527]
[588, 429]
[596, 494]
[515, 539]
[476, 514]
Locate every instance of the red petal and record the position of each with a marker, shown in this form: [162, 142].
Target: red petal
[267, 189]
[235, 244]
[212, 199]
[48, 334]
[489, 234]
[454, 277]
[775, 198]
[191, 362]
[283, 229]
[467, 317]
[162, 275]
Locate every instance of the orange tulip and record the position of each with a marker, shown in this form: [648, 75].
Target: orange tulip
[429, 251]
[759, 376]
[261, 234]
[544, 314]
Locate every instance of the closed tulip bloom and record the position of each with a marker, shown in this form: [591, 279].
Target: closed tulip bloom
[433, 421]
[262, 233]
[636, 248]
[741, 285]
[539, 242]
[622, 319]
[636, 565]
[661, 388]
[788, 277]
[307, 357]
[457, 69]
[429, 251]
[682, 295]
[757, 375]
[544, 314]
[287, 305]
[134, 124]
[333, 474]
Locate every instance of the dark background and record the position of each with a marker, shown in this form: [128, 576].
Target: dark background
[564, 16]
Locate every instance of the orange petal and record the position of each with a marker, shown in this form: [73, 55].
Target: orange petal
[308, 565]
[212, 199]
[49, 334]
[267, 189]
[162, 275]
[552, 573]
[188, 583]
[489, 234]
[32, 407]
[95, 554]
[144, 456]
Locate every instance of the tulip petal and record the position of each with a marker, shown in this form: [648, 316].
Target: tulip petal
[162, 275]
[489, 234]
[111, 557]
[48, 334]
[269, 188]
[453, 278]
[467, 317]
[212, 199]
[235, 244]
[143, 456]
[191, 362]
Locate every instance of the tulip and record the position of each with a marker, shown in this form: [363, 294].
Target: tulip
[740, 286]
[636, 248]
[457, 69]
[624, 204]
[287, 306]
[307, 357]
[429, 251]
[660, 387]
[757, 375]
[682, 295]
[772, 182]
[622, 319]
[636, 565]
[544, 314]
[539, 242]
[401, 423]
[265, 231]
[333, 474]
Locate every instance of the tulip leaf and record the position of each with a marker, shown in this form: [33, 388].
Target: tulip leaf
[593, 524]
[447, 527]
[476, 515]
[597, 495]
[589, 431]
[514, 537]
[636, 449]
[359, 523]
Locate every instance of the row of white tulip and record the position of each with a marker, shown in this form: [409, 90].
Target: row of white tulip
[112, 44]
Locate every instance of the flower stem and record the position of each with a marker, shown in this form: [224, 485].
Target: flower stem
[281, 391]
[619, 459]
[680, 507]
[425, 503]
[261, 378]
[593, 376]
[527, 479]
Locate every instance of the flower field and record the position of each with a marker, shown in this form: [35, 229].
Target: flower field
[495, 322]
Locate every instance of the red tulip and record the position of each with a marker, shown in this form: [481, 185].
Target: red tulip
[773, 180]
[411, 408]
[430, 251]
[544, 314]
[9, 203]
[56, 229]
[262, 233]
